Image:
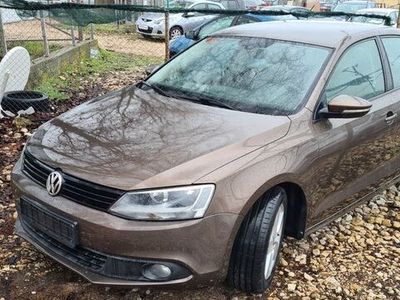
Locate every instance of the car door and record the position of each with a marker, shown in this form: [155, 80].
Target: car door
[356, 155]
[198, 18]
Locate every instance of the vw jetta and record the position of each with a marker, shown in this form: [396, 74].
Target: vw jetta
[197, 173]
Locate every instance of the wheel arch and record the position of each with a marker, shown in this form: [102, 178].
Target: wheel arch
[296, 218]
[177, 26]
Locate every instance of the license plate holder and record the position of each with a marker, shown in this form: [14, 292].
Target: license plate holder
[143, 27]
[42, 219]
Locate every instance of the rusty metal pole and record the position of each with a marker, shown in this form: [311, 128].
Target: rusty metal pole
[166, 30]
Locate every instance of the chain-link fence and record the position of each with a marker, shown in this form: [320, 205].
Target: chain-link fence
[69, 52]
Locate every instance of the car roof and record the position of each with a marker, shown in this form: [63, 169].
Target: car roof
[356, 2]
[322, 33]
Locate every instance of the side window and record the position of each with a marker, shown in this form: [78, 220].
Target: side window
[213, 6]
[245, 20]
[392, 47]
[199, 6]
[218, 24]
[358, 73]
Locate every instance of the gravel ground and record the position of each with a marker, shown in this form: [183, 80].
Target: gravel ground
[355, 257]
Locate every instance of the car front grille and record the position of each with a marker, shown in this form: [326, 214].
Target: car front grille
[78, 190]
[148, 30]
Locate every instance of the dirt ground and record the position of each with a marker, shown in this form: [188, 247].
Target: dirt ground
[129, 43]
[355, 257]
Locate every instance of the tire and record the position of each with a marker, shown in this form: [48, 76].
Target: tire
[22, 100]
[248, 263]
[175, 32]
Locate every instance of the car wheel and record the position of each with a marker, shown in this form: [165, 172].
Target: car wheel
[258, 242]
[175, 32]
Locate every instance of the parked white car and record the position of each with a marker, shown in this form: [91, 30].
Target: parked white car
[388, 12]
[153, 24]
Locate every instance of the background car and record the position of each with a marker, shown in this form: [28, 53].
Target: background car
[328, 5]
[353, 6]
[232, 4]
[254, 4]
[181, 43]
[288, 8]
[388, 12]
[153, 24]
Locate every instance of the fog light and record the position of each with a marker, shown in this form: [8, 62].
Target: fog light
[156, 272]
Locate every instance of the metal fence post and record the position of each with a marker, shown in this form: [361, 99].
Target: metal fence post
[44, 34]
[166, 30]
[91, 27]
[398, 17]
[3, 42]
[72, 31]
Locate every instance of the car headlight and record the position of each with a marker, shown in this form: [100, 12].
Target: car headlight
[179, 203]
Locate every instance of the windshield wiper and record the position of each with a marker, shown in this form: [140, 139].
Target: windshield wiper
[153, 87]
[182, 95]
[205, 100]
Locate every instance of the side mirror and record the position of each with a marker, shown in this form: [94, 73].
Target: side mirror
[188, 14]
[151, 69]
[344, 106]
[192, 34]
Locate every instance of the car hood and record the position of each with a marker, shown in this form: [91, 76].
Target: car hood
[133, 139]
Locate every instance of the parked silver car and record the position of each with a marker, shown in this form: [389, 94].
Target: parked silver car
[153, 24]
[388, 12]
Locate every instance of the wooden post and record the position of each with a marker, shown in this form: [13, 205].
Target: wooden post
[44, 35]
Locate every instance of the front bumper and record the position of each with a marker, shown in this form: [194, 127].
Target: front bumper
[200, 247]
[150, 28]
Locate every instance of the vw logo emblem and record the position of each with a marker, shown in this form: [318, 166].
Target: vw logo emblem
[54, 183]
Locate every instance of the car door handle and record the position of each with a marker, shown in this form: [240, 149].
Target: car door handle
[390, 116]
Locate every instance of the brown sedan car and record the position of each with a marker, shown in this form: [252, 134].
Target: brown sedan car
[195, 174]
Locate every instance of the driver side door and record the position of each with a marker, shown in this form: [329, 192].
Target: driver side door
[198, 18]
[357, 156]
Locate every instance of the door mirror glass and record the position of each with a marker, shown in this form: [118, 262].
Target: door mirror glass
[344, 106]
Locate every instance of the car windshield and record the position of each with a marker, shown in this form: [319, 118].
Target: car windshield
[349, 7]
[243, 73]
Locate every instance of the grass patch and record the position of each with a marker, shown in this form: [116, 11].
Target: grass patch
[35, 49]
[59, 87]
